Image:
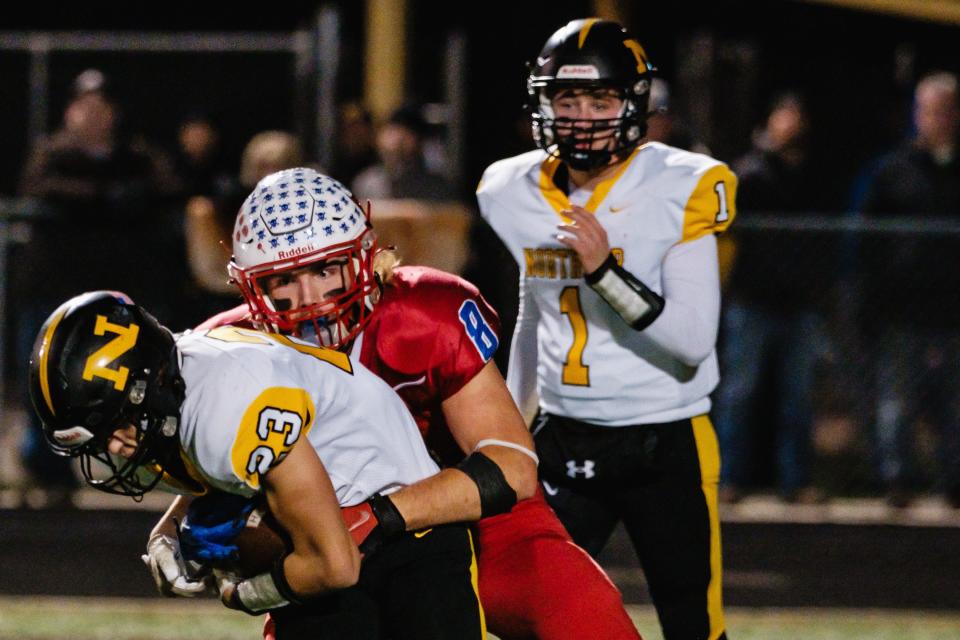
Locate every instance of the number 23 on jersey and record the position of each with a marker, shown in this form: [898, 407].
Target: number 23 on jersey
[279, 416]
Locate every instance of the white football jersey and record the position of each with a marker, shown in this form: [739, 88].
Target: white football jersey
[591, 365]
[250, 396]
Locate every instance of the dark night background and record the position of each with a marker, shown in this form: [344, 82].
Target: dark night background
[844, 60]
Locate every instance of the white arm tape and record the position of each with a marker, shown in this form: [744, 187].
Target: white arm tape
[633, 301]
[260, 593]
[623, 298]
[510, 445]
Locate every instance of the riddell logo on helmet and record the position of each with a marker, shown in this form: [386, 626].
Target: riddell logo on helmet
[295, 252]
[581, 71]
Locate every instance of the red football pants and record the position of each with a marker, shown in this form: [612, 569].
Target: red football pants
[536, 583]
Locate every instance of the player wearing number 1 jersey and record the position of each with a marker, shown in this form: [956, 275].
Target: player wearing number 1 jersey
[615, 240]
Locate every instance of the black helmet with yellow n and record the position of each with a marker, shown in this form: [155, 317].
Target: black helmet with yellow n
[101, 363]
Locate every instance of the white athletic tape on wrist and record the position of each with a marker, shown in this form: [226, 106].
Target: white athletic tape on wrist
[510, 445]
[622, 297]
[260, 593]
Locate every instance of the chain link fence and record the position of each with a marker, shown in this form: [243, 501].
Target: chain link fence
[839, 344]
[840, 355]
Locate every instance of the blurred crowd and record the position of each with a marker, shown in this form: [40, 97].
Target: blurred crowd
[109, 209]
[838, 350]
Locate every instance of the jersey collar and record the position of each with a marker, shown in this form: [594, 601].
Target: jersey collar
[557, 197]
[187, 480]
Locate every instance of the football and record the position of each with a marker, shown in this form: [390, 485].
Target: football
[260, 544]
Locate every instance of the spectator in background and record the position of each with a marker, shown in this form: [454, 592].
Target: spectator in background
[773, 316]
[210, 219]
[103, 221]
[90, 162]
[355, 146]
[198, 160]
[402, 170]
[664, 125]
[266, 153]
[911, 312]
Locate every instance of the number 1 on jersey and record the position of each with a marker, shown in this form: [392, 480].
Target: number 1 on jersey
[574, 371]
[721, 190]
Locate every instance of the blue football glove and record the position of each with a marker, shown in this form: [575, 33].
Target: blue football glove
[212, 523]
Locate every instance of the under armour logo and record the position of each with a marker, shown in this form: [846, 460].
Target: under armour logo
[586, 469]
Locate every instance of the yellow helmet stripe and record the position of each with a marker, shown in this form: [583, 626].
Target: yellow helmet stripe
[44, 355]
[638, 53]
[584, 30]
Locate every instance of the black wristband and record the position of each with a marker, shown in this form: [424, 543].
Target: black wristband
[280, 579]
[388, 516]
[594, 276]
[496, 495]
[237, 603]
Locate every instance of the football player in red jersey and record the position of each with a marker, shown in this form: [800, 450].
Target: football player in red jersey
[431, 336]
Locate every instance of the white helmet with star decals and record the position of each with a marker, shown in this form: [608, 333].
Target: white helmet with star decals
[299, 220]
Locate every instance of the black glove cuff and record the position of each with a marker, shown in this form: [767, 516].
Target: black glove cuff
[388, 516]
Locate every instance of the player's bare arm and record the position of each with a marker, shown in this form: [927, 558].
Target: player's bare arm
[483, 419]
[167, 525]
[302, 499]
[324, 558]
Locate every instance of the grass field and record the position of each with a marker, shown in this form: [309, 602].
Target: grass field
[41, 618]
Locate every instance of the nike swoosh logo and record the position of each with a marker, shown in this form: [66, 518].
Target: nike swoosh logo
[618, 209]
[550, 490]
[541, 61]
[364, 516]
[420, 534]
[410, 383]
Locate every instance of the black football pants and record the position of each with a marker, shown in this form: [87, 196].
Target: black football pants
[660, 480]
[421, 586]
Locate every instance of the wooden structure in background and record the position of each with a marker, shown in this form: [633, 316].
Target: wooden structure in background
[435, 234]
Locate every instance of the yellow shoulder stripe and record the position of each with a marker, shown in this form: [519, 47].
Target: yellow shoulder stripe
[712, 204]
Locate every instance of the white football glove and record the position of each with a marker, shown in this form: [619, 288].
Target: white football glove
[170, 571]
